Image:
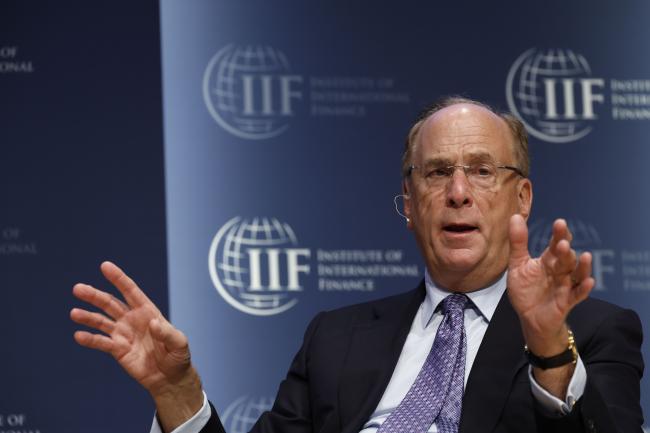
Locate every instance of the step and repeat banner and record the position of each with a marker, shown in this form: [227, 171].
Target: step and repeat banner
[241, 159]
[284, 126]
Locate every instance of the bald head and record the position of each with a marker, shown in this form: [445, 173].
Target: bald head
[515, 131]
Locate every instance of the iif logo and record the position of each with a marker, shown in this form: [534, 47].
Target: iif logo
[250, 91]
[256, 265]
[554, 94]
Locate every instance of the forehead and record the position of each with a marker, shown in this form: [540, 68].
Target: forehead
[462, 131]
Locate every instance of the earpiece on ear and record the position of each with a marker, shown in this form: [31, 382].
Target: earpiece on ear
[397, 207]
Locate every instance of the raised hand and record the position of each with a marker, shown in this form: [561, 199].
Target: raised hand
[544, 290]
[143, 342]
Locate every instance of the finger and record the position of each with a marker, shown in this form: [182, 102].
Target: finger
[94, 341]
[518, 233]
[560, 231]
[172, 338]
[102, 300]
[131, 292]
[565, 259]
[582, 290]
[92, 320]
[583, 270]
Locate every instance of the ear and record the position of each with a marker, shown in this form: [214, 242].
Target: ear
[524, 197]
[407, 204]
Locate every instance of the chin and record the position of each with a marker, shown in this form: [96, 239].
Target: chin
[461, 260]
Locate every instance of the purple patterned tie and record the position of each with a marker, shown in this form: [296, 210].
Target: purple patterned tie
[437, 393]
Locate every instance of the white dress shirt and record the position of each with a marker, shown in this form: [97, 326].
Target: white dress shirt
[416, 348]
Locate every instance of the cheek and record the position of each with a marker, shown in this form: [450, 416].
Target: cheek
[496, 214]
[425, 205]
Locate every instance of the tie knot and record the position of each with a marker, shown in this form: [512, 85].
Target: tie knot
[454, 303]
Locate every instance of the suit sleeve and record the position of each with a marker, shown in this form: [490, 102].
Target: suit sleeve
[291, 412]
[611, 400]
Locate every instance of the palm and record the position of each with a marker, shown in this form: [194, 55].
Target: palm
[532, 294]
[133, 346]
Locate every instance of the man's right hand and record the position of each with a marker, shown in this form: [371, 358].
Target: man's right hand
[144, 343]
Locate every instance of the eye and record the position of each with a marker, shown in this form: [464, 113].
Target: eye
[482, 170]
[440, 171]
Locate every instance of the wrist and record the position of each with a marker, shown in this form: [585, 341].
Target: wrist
[187, 386]
[569, 355]
[546, 342]
[178, 401]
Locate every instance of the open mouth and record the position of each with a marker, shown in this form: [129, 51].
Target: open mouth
[460, 228]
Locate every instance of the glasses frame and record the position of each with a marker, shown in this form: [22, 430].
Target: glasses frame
[466, 167]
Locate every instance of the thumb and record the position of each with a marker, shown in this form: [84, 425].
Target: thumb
[518, 232]
[170, 337]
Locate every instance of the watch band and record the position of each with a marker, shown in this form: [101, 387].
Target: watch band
[566, 357]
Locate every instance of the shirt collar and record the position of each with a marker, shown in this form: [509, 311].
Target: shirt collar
[484, 300]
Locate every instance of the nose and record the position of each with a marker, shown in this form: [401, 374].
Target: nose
[459, 192]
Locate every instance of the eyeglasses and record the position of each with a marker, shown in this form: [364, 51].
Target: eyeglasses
[479, 175]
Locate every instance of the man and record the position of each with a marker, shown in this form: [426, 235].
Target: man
[427, 360]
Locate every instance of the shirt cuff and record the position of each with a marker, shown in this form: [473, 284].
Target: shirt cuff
[192, 425]
[552, 405]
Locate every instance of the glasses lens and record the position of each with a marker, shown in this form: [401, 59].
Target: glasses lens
[482, 175]
[479, 175]
[436, 175]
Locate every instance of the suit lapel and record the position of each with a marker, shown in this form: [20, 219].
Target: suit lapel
[499, 357]
[375, 346]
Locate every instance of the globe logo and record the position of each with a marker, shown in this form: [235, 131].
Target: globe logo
[552, 93]
[241, 414]
[585, 238]
[249, 91]
[584, 234]
[255, 265]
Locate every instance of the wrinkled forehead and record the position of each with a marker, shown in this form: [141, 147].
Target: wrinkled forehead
[462, 133]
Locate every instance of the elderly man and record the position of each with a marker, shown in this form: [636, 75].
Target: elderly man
[491, 341]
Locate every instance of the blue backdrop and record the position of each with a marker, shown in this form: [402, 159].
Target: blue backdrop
[81, 182]
[284, 126]
[258, 146]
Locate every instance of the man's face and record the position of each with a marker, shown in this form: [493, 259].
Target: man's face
[461, 229]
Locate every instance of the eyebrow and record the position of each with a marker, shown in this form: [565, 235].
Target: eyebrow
[438, 161]
[479, 156]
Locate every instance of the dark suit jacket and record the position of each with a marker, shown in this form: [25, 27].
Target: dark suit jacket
[348, 355]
